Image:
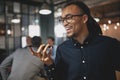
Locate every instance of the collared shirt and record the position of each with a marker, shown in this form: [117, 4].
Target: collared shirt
[54, 52]
[96, 59]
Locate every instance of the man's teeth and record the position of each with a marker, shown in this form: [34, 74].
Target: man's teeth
[67, 28]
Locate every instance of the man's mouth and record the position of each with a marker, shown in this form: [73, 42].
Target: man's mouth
[68, 29]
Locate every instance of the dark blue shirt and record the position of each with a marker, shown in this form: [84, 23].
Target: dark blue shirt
[96, 59]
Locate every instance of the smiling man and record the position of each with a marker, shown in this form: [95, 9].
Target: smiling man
[87, 54]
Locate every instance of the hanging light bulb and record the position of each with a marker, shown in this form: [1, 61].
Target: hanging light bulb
[118, 24]
[109, 22]
[115, 27]
[45, 9]
[15, 19]
[8, 32]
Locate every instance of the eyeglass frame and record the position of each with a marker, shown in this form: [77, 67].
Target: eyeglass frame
[69, 17]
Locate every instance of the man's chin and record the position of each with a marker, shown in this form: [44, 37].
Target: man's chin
[72, 35]
[69, 35]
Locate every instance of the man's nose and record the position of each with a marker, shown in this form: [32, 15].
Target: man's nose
[65, 22]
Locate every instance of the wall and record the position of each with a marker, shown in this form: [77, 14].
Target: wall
[110, 31]
[47, 26]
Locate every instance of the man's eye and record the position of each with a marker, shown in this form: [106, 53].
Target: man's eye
[68, 17]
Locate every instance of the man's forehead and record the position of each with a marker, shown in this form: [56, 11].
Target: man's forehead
[72, 9]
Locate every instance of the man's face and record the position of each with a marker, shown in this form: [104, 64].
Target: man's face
[49, 41]
[72, 20]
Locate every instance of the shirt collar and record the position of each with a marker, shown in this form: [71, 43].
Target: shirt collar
[86, 41]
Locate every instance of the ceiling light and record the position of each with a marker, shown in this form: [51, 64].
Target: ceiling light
[115, 27]
[15, 19]
[45, 9]
[118, 24]
[109, 21]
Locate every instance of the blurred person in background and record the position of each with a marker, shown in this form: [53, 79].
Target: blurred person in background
[51, 42]
[24, 66]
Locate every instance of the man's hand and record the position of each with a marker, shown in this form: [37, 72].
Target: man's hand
[43, 53]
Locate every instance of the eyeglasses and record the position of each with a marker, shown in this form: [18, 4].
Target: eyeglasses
[68, 18]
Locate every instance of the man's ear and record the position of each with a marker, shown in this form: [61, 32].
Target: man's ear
[85, 18]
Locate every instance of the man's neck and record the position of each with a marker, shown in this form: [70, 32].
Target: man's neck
[81, 37]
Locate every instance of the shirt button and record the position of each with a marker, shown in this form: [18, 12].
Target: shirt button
[75, 44]
[53, 68]
[81, 46]
[86, 42]
[51, 78]
[83, 61]
[84, 77]
[49, 70]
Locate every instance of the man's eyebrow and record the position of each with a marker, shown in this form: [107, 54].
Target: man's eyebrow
[65, 15]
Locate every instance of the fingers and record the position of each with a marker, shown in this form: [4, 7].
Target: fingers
[42, 50]
[44, 53]
[41, 47]
[45, 50]
[39, 51]
[46, 47]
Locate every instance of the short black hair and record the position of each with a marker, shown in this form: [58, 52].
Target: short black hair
[50, 37]
[80, 4]
[36, 41]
